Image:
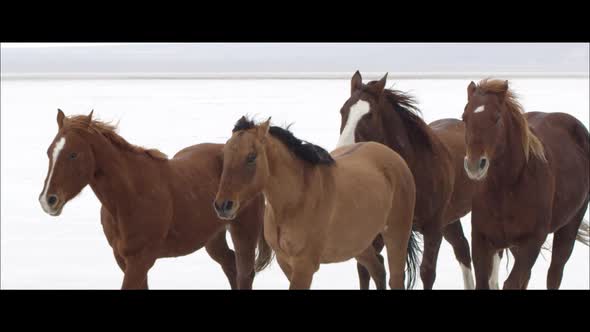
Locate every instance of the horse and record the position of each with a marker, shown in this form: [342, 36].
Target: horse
[322, 207]
[152, 207]
[532, 175]
[434, 154]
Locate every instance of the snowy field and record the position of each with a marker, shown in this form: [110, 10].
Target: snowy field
[71, 252]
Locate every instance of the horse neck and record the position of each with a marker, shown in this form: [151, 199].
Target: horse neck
[510, 159]
[116, 179]
[396, 134]
[286, 171]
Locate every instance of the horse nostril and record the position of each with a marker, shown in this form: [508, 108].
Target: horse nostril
[51, 200]
[482, 163]
[227, 205]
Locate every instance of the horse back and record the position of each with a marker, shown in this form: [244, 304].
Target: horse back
[372, 158]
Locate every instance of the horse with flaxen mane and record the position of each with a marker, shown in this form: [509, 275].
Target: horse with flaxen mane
[532, 173]
[434, 154]
[152, 206]
[321, 207]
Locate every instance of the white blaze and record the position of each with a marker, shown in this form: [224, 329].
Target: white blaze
[54, 155]
[357, 111]
[479, 109]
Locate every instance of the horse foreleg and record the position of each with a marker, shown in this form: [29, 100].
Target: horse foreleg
[245, 251]
[483, 255]
[302, 272]
[136, 270]
[284, 266]
[524, 259]
[218, 250]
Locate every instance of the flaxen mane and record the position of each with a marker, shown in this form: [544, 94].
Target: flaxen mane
[109, 132]
[530, 142]
[405, 106]
[309, 152]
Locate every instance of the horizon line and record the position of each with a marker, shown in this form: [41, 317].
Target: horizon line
[285, 75]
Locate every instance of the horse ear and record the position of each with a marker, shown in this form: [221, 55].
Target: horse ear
[356, 82]
[380, 85]
[470, 89]
[90, 117]
[60, 118]
[263, 128]
[502, 94]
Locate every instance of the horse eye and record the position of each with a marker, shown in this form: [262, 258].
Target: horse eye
[251, 158]
[73, 155]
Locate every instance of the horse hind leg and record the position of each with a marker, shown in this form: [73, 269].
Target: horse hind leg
[563, 245]
[217, 248]
[364, 275]
[369, 260]
[432, 241]
[453, 234]
[397, 237]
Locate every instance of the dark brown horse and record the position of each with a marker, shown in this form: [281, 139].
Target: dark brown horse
[322, 208]
[434, 154]
[152, 206]
[533, 178]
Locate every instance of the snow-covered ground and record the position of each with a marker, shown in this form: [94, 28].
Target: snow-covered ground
[71, 252]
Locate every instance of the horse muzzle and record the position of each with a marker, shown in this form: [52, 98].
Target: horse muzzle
[52, 204]
[476, 169]
[226, 209]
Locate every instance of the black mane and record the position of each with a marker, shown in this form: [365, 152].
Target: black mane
[311, 153]
[405, 106]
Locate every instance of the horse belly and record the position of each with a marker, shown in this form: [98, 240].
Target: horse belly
[359, 217]
[565, 140]
[572, 184]
[190, 233]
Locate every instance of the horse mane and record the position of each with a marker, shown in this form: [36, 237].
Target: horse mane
[108, 131]
[309, 152]
[405, 106]
[530, 142]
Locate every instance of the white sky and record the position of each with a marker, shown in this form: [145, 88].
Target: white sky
[293, 57]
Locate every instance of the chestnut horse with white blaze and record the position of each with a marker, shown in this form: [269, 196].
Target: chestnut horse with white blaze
[152, 206]
[532, 173]
[321, 208]
[434, 154]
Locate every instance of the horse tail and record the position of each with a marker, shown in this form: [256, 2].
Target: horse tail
[413, 258]
[265, 253]
[584, 233]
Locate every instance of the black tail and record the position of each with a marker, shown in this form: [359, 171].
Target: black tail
[413, 258]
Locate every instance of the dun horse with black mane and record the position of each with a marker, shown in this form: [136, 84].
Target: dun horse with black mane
[533, 178]
[152, 206]
[321, 207]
